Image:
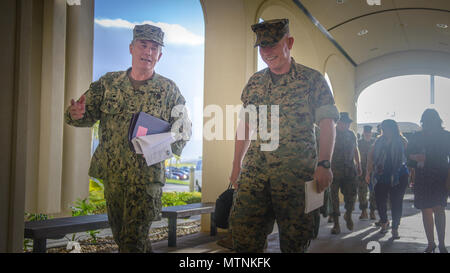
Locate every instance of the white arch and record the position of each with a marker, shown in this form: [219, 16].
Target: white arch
[400, 64]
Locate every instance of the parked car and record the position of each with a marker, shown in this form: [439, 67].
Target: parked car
[181, 175]
[171, 168]
[173, 176]
[185, 169]
[187, 172]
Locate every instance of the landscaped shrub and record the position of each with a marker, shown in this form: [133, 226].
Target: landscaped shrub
[96, 196]
[180, 198]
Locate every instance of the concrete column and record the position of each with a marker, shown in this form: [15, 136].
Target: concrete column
[191, 179]
[77, 141]
[30, 102]
[24, 89]
[7, 109]
[342, 77]
[52, 106]
[432, 94]
[229, 62]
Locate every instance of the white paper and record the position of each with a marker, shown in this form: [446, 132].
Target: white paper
[313, 200]
[155, 148]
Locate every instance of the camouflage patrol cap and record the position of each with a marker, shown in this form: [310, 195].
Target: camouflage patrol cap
[344, 117]
[148, 32]
[367, 128]
[269, 33]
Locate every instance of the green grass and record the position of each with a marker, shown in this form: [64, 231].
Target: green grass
[175, 181]
[183, 165]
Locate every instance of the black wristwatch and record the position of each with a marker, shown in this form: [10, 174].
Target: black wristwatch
[324, 163]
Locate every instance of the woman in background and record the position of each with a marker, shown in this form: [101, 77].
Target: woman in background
[386, 167]
[428, 157]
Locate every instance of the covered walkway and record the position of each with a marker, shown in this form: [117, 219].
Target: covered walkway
[412, 237]
[48, 47]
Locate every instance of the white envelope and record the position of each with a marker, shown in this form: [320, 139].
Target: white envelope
[313, 200]
[155, 148]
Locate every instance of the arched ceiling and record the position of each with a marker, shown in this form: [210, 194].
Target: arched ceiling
[393, 26]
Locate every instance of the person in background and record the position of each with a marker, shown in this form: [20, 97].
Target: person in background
[364, 145]
[389, 174]
[428, 155]
[378, 132]
[346, 167]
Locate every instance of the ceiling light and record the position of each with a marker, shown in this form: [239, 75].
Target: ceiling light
[340, 1]
[363, 32]
[442, 25]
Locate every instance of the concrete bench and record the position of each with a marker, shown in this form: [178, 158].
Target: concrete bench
[175, 212]
[57, 228]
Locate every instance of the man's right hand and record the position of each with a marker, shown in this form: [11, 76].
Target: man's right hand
[77, 108]
[323, 177]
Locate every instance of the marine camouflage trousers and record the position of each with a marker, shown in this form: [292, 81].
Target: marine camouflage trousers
[131, 209]
[255, 210]
[348, 186]
[363, 189]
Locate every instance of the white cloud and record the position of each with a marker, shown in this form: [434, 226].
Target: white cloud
[173, 33]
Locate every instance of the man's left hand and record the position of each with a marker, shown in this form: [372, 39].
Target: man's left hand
[324, 178]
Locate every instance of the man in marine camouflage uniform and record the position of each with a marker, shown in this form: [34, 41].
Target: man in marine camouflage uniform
[364, 145]
[270, 185]
[345, 172]
[132, 189]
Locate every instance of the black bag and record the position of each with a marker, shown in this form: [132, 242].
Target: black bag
[223, 207]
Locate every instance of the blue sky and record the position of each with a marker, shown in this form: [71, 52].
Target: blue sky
[183, 54]
[185, 12]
